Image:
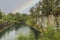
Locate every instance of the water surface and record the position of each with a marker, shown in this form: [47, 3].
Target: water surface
[13, 33]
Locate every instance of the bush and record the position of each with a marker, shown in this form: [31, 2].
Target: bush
[22, 37]
[50, 34]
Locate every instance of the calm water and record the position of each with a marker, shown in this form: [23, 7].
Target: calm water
[12, 33]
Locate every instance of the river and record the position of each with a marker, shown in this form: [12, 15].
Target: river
[12, 33]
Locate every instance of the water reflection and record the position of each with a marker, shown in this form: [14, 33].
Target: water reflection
[12, 34]
[25, 31]
[9, 36]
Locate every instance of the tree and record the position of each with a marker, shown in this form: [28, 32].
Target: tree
[35, 11]
[5, 18]
[11, 16]
[17, 16]
[48, 6]
[32, 12]
[0, 14]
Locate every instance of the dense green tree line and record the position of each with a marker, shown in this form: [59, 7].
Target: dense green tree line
[17, 17]
[7, 19]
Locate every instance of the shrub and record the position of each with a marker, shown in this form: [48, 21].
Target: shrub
[50, 34]
[22, 37]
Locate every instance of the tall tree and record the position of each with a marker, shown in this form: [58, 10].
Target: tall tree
[35, 11]
[47, 6]
[0, 14]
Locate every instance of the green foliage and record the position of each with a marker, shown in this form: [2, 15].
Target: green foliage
[0, 14]
[22, 37]
[17, 16]
[50, 34]
[5, 18]
[23, 17]
[11, 16]
[30, 22]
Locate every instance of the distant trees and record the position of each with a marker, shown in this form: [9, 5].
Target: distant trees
[11, 17]
[0, 14]
[17, 16]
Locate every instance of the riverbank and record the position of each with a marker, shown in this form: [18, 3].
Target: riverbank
[6, 27]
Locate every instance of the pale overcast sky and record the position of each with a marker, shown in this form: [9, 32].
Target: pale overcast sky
[17, 5]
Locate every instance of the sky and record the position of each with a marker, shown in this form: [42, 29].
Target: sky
[22, 6]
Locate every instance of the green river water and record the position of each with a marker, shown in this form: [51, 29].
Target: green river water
[12, 33]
